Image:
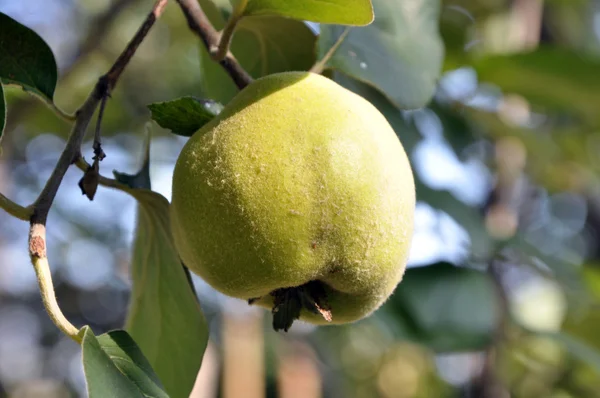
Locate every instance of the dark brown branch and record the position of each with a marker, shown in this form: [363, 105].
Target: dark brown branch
[42, 205]
[70, 155]
[115, 71]
[72, 150]
[109, 81]
[98, 152]
[199, 24]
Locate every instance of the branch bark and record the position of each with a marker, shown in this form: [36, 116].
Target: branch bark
[72, 154]
[199, 24]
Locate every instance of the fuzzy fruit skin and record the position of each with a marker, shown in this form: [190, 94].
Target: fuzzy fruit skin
[297, 179]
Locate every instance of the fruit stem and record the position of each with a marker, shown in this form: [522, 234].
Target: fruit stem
[221, 51]
[289, 302]
[15, 210]
[44, 278]
[320, 64]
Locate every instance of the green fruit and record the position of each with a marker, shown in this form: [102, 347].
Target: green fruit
[298, 197]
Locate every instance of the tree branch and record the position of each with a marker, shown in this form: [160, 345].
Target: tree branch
[108, 81]
[199, 24]
[119, 66]
[70, 155]
[42, 205]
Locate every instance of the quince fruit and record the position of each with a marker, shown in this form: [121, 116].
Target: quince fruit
[297, 197]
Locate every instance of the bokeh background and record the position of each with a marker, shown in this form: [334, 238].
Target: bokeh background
[502, 296]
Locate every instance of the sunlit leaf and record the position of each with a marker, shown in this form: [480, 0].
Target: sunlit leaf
[114, 366]
[184, 116]
[400, 53]
[342, 12]
[165, 317]
[25, 59]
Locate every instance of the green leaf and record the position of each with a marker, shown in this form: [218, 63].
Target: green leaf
[2, 112]
[115, 367]
[447, 308]
[25, 59]
[342, 12]
[263, 46]
[553, 78]
[184, 116]
[400, 53]
[165, 317]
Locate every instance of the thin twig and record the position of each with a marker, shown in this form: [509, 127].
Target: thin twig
[119, 66]
[73, 147]
[70, 155]
[44, 201]
[109, 81]
[97, 146]
[199, 24]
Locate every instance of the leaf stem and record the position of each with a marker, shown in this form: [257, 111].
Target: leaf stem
[319, 66]
[201, 26]
[15, 210]
[68, 117]
[227, 33]
[37, 250]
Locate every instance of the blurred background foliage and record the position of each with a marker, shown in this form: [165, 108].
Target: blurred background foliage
[502, 297]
